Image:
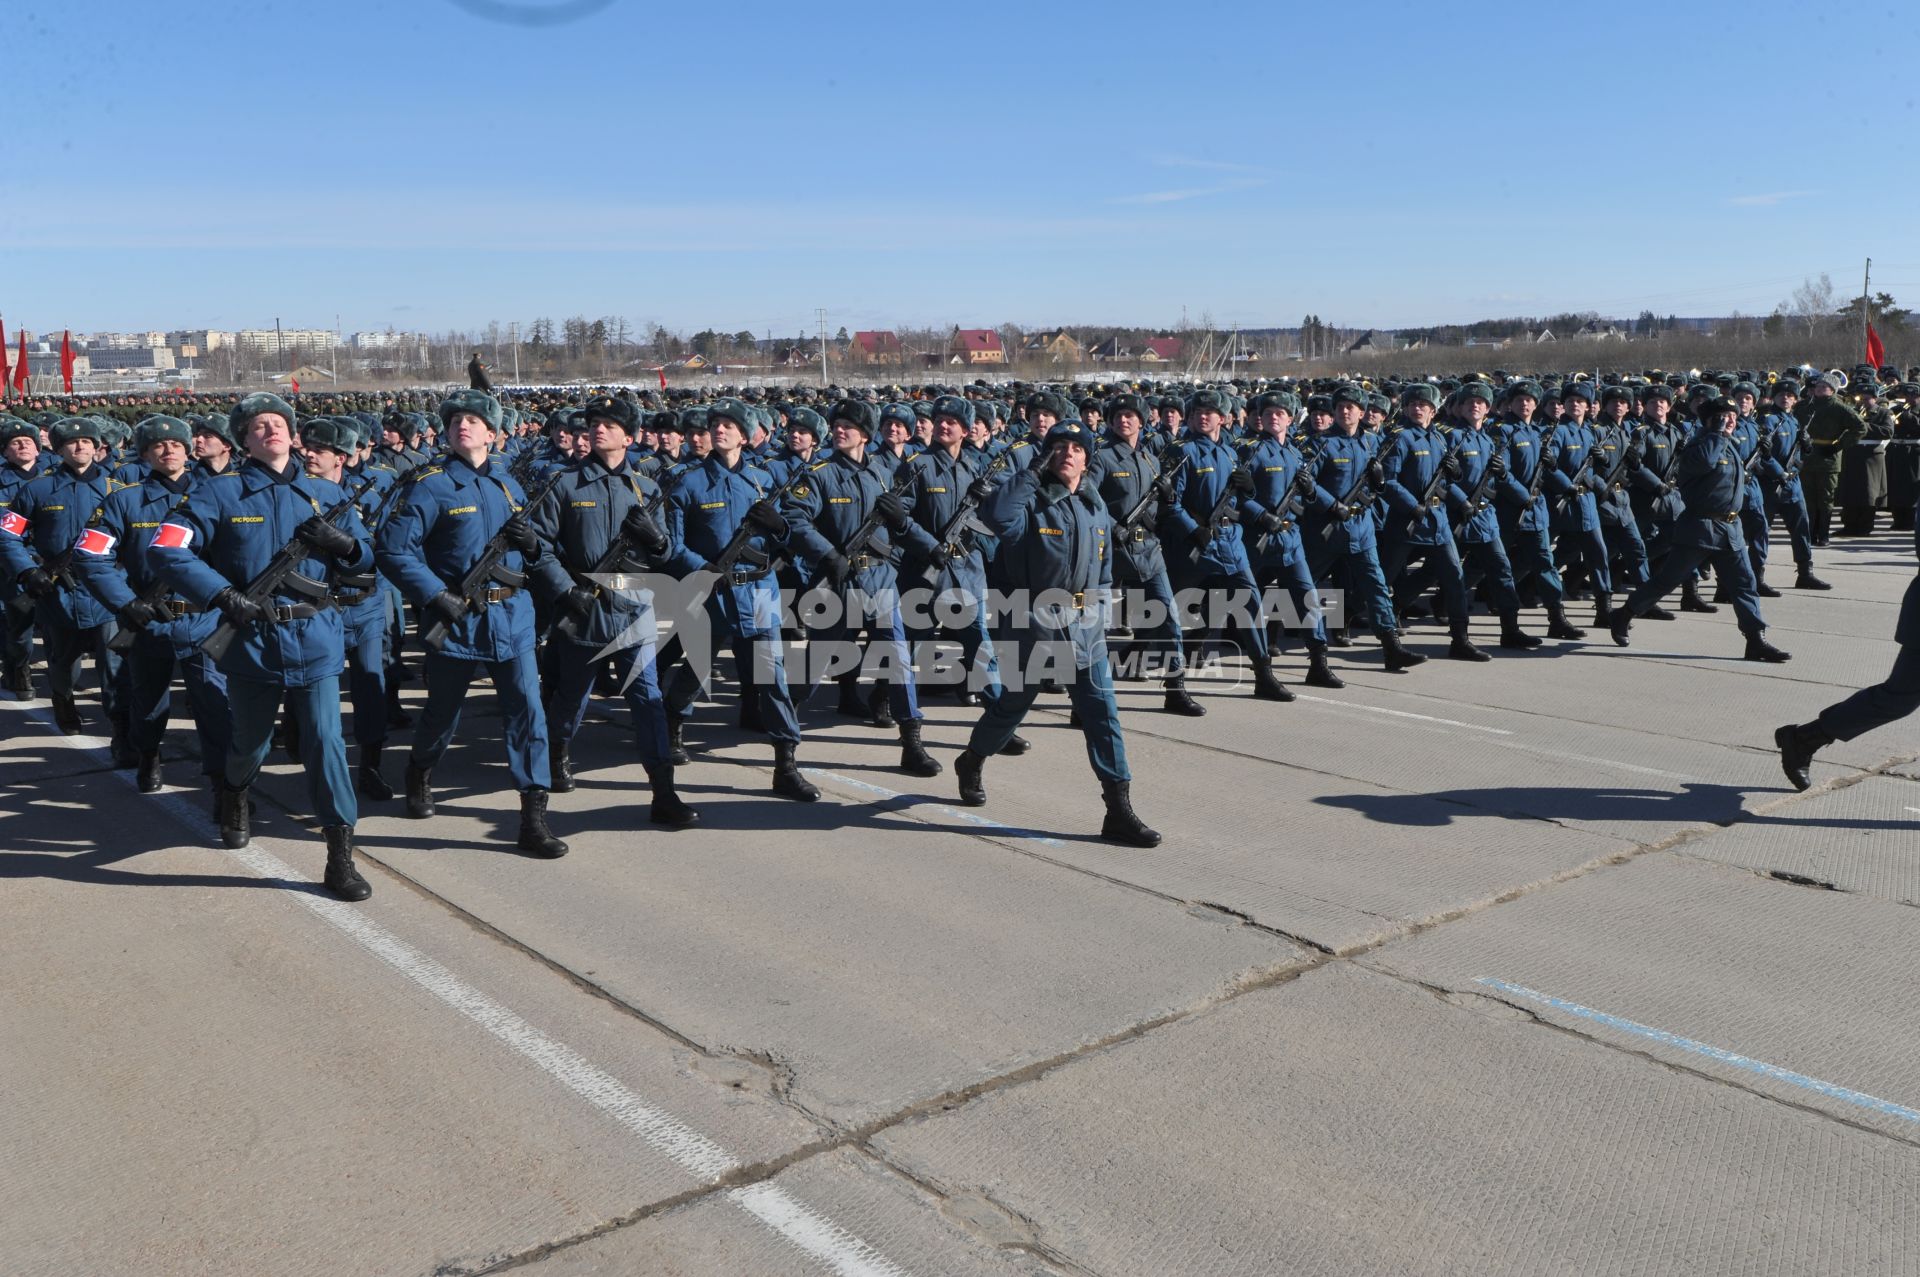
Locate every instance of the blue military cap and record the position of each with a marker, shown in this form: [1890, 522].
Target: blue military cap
[478, 402]
[730, 409]
[159, 429]
[257, 404]
[338, 434]
[67, 429]
[953, 406]
[900, 412]
[1072, 432]
[805, 420]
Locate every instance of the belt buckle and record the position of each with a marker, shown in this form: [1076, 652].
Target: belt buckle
[1080, 600]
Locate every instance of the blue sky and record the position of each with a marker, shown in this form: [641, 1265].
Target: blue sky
[436, 164]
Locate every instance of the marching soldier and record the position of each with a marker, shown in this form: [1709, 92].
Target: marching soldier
[1280, 495]
[289, 647]
[112, 560]
[1525, 524]
[38, 532]
[19, 465]
[1418, 472]
[1781, 490]
[1054, 543]
[608, 619]
[440, 527]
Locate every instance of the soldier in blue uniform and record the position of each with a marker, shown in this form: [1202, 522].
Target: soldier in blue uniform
[1480, 466]
[1274, 511]
[1525, 525]
[1713, 485]
[825, 506]
[1055, 542]
[20, 463]
[1619, 466]
[1201, 520]
[37, 535]
[1418, 472]
[214, 445]
[1755, 442]
[1888, 701]
[707, 502]
[1342, 551]
[290, 649]
[440, 525]
[599, 501]
[1780, 486]
[111, 561]
[1125, 469]
[1579, 547]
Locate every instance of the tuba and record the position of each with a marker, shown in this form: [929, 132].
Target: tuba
[1840, 375]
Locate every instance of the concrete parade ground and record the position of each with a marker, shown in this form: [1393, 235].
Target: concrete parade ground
[1538, 966]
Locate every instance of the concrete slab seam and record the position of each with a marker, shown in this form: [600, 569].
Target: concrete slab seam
[1831, 1090]
[834, 1246]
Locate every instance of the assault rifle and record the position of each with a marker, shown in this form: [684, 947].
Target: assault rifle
[60, 568]
[949, 543]
[617, 552]
[279, 574]
[740, 545]
[1292, 502]
[1359, 500]
[486, 572]
[154, 596]
[1214, 518]
[870, 526]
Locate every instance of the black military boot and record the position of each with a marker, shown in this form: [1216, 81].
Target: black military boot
[367, 778]
[1319, 673]
[1602, 610]
[667, 808]
[560, 766]
[966, 769]
[149, 778]
[1804, 579]
[1797, 743]
[535, 838]
[1399, 657]
[787, 780]
[1621, 627]
[677, 741]
[1016, 745]
[125, 756]
[20, 682]
[419, 791]
[1761, 587]
[877, 703]
[342, 879]
[1656, 613]
[749, 720]
[1179, 701]
[1758, 649]
[914, 758]
[1512, 637]
[850, 706]
[397, 715]
[234, 813]
[66, 716]
[1557, 627]
[1121, 825]
[1265, 686]
[1462, 649]
[1690, 600]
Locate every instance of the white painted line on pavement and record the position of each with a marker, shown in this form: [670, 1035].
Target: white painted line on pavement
[834, 1246]
[1399, 713]
[957, 813]
[1831, 1090]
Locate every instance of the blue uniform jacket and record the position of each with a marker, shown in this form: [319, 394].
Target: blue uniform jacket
[1614, 500]
[115, 573]
[41, 524]
[235, 523]
[1574, 511]
[1713, 491]
[1275, 464]
[1781, 430]
[1197, 489]
[1473, 451]
[705, 504]
[826, 506]
[1123, 472]
[579, 520]
[1527, 445]
[940, 484]
[1339, 474]
[1053, 540]
[438, 526]
[1411, 459]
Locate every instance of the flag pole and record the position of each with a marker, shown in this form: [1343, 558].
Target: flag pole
[1866, 307]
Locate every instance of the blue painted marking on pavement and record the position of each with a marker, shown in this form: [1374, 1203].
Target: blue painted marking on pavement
[1831, 1090]
[971, 818]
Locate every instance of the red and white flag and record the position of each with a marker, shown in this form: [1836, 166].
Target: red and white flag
[14, 525]
[171, 536]
[95, 541]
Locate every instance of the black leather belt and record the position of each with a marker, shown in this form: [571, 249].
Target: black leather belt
[861, 562]
[499, 593]
[284, 612]
[180, 607]
[352, 598]
[1728, 516]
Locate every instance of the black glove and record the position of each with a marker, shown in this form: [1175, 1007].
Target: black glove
[446, 608]
[1450, 466]
[239, 611]
[38, 583]
[576, 602]
[1202, 536]
[519, 535]
[1271, 521]
[1498, 465]
[1376, 473]
[893, 511]
[1240, 482]
[137, 614]
[762, 515]
[834, 567]
[980, 489]
[643, 532]
[325, 538]
[1163, 488]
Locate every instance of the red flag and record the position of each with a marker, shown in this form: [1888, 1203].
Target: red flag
[3, 361]
[296, 384]
[663, 378]
[1876, 353]
[66, 358]
[20, 367]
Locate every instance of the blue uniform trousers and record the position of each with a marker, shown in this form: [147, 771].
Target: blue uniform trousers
[1730, 565]
[518, 687]
[317, 707]
[69, 644]
[1792, 509]
[17, 652]
[150, 663]
[1531, 557]
[366, 627]
[1297, 581]
[977, 657]
[1231, 587]
[1443, 561]
[1587, 548]
[889, 635]
[1091, 693]
[1358, 575]
[1487, 561]
[572, 686]
[1628, 551]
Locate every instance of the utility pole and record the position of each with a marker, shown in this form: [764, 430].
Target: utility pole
[513, 329]
[336, 351]
[1866, 306]
[279, 346]
[820, 314]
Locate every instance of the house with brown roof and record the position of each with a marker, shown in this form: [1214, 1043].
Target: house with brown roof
[1162, 350]
[973, 346]
[1057, 347]
[882, 347]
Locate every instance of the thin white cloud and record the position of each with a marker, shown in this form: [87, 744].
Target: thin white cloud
[1766, 200]
[1189, 192]
[1164, 160]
